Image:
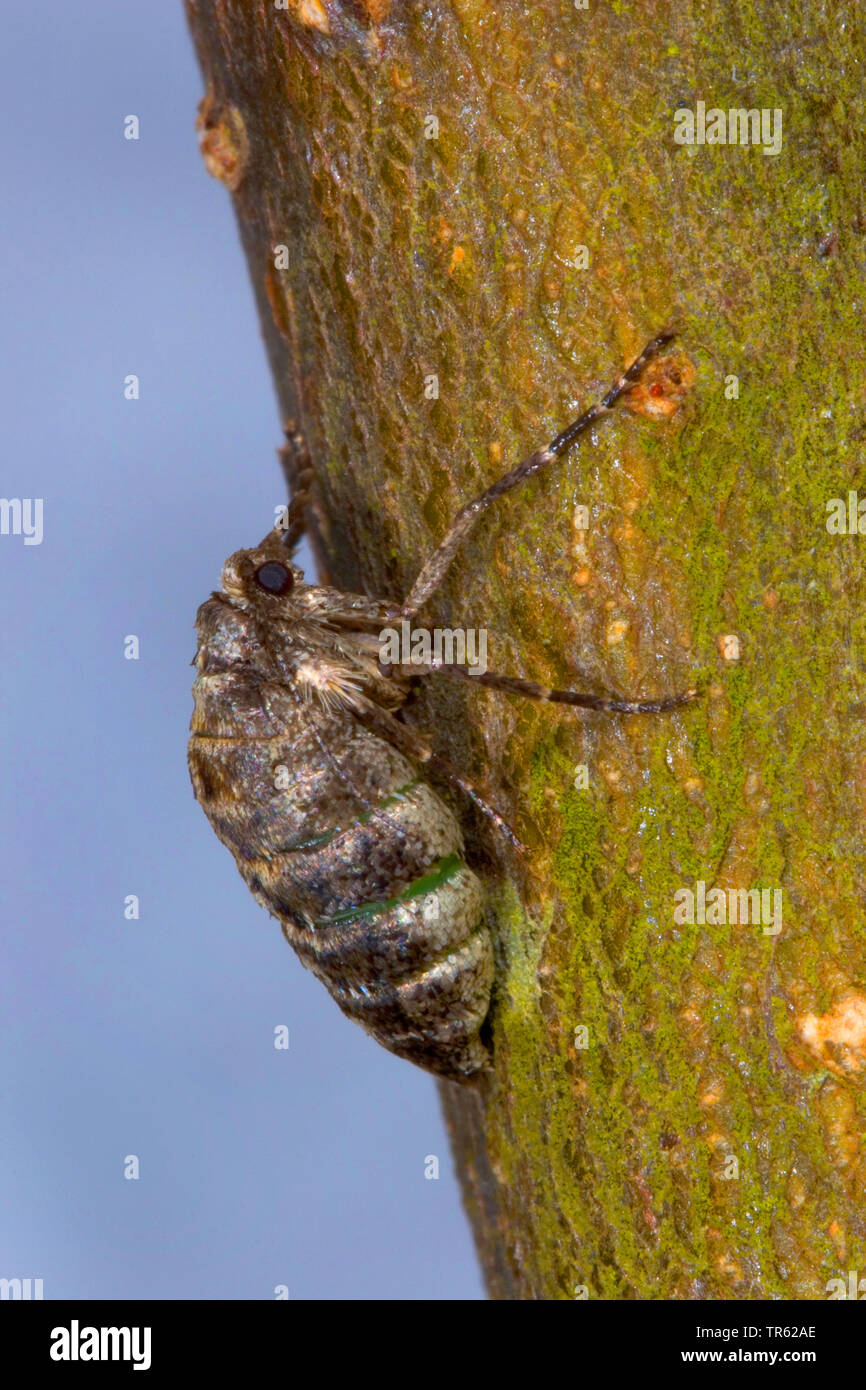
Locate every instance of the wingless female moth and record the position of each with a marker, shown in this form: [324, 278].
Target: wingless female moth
[307, 774]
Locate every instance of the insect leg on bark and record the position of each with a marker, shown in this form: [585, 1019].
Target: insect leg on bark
[299, 471]
[436, 566]
[606, 703]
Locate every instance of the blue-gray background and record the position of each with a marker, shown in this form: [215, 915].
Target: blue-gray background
[155, 1037]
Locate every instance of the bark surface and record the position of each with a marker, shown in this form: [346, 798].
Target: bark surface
[492, 196]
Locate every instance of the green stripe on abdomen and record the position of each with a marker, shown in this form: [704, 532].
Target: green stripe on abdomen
[435, 876]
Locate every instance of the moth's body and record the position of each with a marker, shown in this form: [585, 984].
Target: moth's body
[329, 823]
[309, 777]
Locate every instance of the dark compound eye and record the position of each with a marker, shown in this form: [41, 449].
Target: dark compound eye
[274, 578]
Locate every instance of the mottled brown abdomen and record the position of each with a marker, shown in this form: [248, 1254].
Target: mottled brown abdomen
[360, 860]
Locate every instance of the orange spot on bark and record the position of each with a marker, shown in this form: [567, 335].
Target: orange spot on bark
[837, 1039]
[222, 138]
[662, 388]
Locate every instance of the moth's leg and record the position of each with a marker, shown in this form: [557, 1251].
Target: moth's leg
[381, 722]
[298, 469]
[513, 685]
[436, 567]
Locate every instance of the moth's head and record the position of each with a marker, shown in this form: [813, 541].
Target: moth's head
[263, 578]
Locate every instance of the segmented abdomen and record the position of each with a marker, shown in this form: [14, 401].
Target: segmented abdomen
[377, 902]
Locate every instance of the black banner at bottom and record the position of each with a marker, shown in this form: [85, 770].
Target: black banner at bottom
[153, 1338]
